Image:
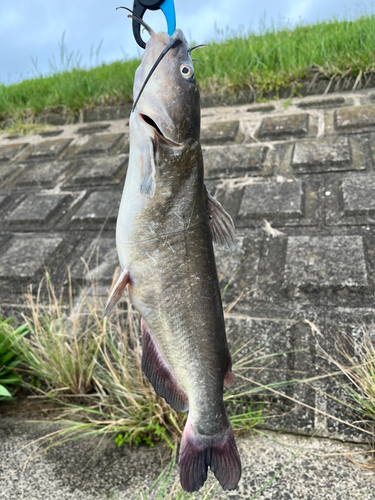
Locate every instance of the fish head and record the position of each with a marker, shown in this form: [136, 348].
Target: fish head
[170, 99]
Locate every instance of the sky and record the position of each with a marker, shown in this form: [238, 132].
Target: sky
[31, 32]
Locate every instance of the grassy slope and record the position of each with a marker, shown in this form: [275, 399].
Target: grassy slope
[264, 62]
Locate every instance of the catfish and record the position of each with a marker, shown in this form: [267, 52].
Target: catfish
[166, 226]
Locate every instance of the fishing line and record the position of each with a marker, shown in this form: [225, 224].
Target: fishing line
[172, 44]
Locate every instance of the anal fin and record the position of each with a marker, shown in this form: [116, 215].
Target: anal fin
[116, 293]
[159, 374]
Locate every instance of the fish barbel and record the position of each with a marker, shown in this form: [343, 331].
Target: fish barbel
[165, 228]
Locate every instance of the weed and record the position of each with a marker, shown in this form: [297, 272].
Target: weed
[22, 127]
[60, 351]
[8, 358]
[282, 57]
[93, 367]
[287, 103]
[356, 361]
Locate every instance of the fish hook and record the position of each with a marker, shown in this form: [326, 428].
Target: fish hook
[138, 20]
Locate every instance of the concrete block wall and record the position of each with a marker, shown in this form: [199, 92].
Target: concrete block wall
[306, 166]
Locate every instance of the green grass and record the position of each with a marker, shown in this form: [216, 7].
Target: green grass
[277, 58]
[9, 360]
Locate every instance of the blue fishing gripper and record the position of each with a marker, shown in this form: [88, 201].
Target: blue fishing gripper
[139, 9]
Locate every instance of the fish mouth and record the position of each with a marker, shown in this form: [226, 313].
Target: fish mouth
[147, 119]
[151, 122]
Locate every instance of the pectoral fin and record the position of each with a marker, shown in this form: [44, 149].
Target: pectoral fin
[116, 293]
[221, 224]
[159, 373]
[148, 183]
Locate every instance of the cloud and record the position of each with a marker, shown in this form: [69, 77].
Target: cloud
[34, 29]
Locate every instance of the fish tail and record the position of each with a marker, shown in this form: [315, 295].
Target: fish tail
[198, 452]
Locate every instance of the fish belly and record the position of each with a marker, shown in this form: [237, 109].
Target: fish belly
[175, 288]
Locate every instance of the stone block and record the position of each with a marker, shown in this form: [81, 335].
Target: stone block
[93, 171]
[219, 133]
[51, 133]
[93, 128]
[358, 195]
[103, 143]
[284, 127]
[63, 118]
[48, 149]
[352, 118]
[280, 159]
[41, 174]
[280, 351]
[36, 208]
[327, 102]
[237, 271]
[100, 206]
[271, 272]
[342, 202]
[9, 151]
[8, 170]
[233, 161]
[4, 238]
[261, 108]
[318, 263]
[322, 155]
[271, 199]
[97, 262]
[26, 257]
[11, 137]
[2, 199]
[228, 195]
[107, 113]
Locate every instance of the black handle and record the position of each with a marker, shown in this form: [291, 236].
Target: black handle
[139, 9]
[150, 4]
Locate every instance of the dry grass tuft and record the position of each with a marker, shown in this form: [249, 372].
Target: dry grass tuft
[93, 367]
[356, 361]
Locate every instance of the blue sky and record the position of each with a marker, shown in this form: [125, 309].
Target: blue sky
[33, 29]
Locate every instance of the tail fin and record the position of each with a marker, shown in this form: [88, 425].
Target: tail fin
[198, 452]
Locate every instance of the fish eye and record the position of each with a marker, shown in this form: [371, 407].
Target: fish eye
[187, 72]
